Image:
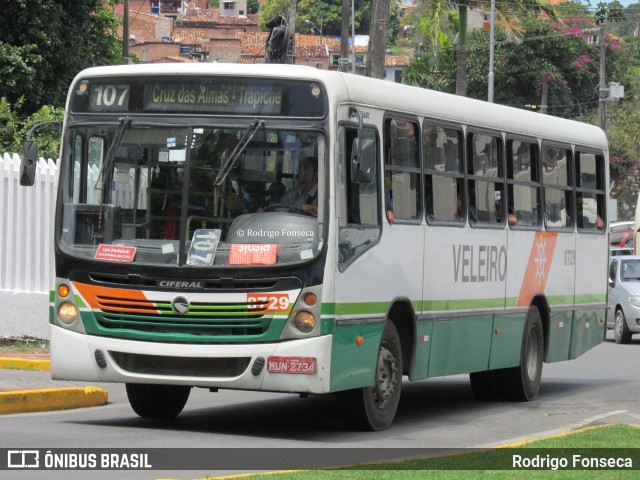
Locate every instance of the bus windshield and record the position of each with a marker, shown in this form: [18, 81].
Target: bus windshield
[191, 195]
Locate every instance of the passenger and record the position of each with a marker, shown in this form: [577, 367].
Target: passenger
[274, 198]
[580, 214]
[388, 201]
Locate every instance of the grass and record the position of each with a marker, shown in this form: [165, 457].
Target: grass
[23, 345]
[497, 463]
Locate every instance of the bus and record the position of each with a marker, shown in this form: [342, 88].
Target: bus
[435, 235]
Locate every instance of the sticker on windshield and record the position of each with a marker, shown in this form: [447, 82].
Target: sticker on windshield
[253, 253]
[115, 253]
[203, 246]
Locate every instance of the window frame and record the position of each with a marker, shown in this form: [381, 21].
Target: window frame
[535, 182]
[411, 170]
[567, 189]
[472, 178]
[459, 176]
[600, 189]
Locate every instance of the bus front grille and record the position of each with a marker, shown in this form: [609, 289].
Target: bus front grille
[208, 319]
[180, 366]
[167, 324]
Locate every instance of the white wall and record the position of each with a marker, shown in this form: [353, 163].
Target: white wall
[26, 248]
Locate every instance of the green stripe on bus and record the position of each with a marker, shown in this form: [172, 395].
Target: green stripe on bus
[380, 308]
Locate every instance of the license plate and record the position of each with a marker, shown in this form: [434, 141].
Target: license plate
[293, 365]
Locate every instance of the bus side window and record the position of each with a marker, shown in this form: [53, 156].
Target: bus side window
[402, 169]
[590, 194]
[486, 184]
[523, 182]
[442, 155]
[362, 198]
[359, 202]
[558, 187]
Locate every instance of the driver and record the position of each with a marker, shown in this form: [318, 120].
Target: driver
[304, 197]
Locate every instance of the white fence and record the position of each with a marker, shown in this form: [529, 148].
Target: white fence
[26, 226]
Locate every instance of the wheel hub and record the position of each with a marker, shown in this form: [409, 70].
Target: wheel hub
[386, 378]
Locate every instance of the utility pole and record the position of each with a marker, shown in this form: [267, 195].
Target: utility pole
[491, 48]
[125, 32]
[353, 36]
[603, 85]
[343, 63]
[291, 27]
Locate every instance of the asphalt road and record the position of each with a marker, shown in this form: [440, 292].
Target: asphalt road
[599, 387]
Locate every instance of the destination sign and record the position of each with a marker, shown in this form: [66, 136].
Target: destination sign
[213, 98]
[159, 94]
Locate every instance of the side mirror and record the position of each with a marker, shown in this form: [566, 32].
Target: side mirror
[363, 160]
[28, 163]
[30, 152]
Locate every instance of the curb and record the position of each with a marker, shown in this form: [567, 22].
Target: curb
[47, 399]
[24, 363]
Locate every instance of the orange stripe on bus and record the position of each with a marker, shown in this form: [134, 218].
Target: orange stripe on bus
[90, 293]
[535, 277]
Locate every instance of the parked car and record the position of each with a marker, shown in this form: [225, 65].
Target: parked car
[620, 233]
[624, 297]
[618, 251]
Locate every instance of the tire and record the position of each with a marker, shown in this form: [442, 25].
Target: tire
[374, 408]
[621, 332]
[157, 401]
[521, 383]
[484, 385]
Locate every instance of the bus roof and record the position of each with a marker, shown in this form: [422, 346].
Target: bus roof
[366, 91]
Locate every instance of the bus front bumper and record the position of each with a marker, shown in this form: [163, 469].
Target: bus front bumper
[76, 356]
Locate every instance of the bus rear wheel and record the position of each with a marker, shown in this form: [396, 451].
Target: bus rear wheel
[522, 383]
[374, 408]
[157, 401]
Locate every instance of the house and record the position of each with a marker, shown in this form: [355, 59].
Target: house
[161, 31]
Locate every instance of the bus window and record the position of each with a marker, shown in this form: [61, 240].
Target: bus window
[590, 194]
[486, 185]
[402, 169]
[442, 154]
[556, 178]
[360, 215]
[523, 182]
[78, 147]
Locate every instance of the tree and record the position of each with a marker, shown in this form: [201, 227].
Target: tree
[45, 43]
[507, 18]
[561, 56]
[378, 38]
[328, 13]
[13, 129]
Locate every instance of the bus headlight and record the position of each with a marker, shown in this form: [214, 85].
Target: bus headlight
[304, 321]
[67, 313]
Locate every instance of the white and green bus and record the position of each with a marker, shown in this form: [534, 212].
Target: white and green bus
[439, 235]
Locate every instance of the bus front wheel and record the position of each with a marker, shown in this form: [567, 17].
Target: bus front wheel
[157, 401]
[374, 408]
[522, 383]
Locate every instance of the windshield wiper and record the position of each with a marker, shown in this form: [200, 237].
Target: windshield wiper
[233, 158]
[123, 124]
[103, 176]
